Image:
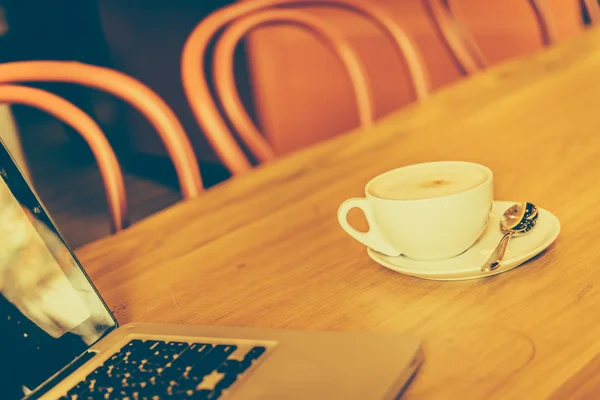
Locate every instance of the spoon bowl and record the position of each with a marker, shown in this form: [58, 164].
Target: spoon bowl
[517, 221]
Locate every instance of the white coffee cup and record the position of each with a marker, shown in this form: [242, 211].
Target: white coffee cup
[428, 211]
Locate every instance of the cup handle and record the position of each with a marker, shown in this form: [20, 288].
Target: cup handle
[372, 238]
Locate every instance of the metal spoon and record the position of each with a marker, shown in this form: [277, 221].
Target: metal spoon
[518, 220]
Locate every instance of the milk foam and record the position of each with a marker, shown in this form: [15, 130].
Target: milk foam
[427, 182]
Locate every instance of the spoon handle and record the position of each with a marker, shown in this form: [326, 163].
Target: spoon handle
[497, 255]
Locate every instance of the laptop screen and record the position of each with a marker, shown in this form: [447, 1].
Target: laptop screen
[50, 313]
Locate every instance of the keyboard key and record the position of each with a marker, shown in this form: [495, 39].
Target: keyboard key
[255, 353]
[233, 367]
[212, 360]
[226, 382]
[206, 394]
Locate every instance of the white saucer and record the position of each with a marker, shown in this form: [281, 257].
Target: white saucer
[468, 264]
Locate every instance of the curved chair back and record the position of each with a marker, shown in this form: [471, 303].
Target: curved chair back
[593, 10]
[127, 89]
[239, 19]
[449, 16]
[82, 123]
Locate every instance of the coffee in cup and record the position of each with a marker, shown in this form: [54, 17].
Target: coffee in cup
[427, 211]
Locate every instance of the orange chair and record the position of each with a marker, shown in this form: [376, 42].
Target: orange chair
[457, 38]
[126, 88]
[91, 133]
[224, 76]
[241, 18]
[450, 18]
[593, 10]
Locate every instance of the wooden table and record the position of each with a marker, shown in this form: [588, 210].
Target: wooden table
[265, 249]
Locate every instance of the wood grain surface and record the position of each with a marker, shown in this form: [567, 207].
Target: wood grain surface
[265, 249]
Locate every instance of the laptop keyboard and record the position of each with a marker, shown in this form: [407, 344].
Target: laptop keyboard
[151, 369]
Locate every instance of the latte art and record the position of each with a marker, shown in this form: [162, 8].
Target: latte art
[426, 183]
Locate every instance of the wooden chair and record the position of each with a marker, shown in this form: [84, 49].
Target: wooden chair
[126, 88]
[593, 10]
[447, 14]
[89, 130]
[241, 18]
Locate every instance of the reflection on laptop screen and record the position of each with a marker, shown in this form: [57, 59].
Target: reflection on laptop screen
[49, 312]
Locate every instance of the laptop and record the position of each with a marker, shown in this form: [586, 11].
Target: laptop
[59, 340]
